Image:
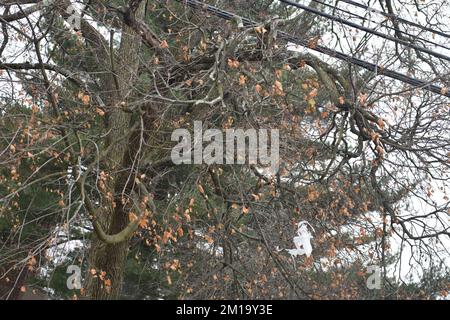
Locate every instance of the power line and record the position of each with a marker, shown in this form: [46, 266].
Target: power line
[397, 18]
[416, 37]
[330, 52]
[357, 26]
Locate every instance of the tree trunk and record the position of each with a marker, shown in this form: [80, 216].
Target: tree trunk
[107, 261]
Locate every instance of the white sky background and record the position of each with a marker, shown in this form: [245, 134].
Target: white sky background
[376, 53]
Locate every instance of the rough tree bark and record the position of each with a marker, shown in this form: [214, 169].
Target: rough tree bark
[105, 257]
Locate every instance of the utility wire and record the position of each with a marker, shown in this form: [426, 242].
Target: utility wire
[397, 18]
[415, 37]
[330, 52]
[357, 26]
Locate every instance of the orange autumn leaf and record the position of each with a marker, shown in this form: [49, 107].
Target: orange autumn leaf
[256, 197]
[380, 150]
[232, 63]
[100, 112]
[143, 223]
[278, 73]
[287, 67]
[362, 98]
[375, 137]
[260, 29]
[166, 237]
[86, 99]
[278, 88]
[242, 80]
[313, 194]
[31, 263]
[324, 114]
[164, 44]
[187, 216]
[200, 189]
[132, 216]
[107, 282]
[209, 239]
[311, 94]
[312, 43]
[203, 45]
